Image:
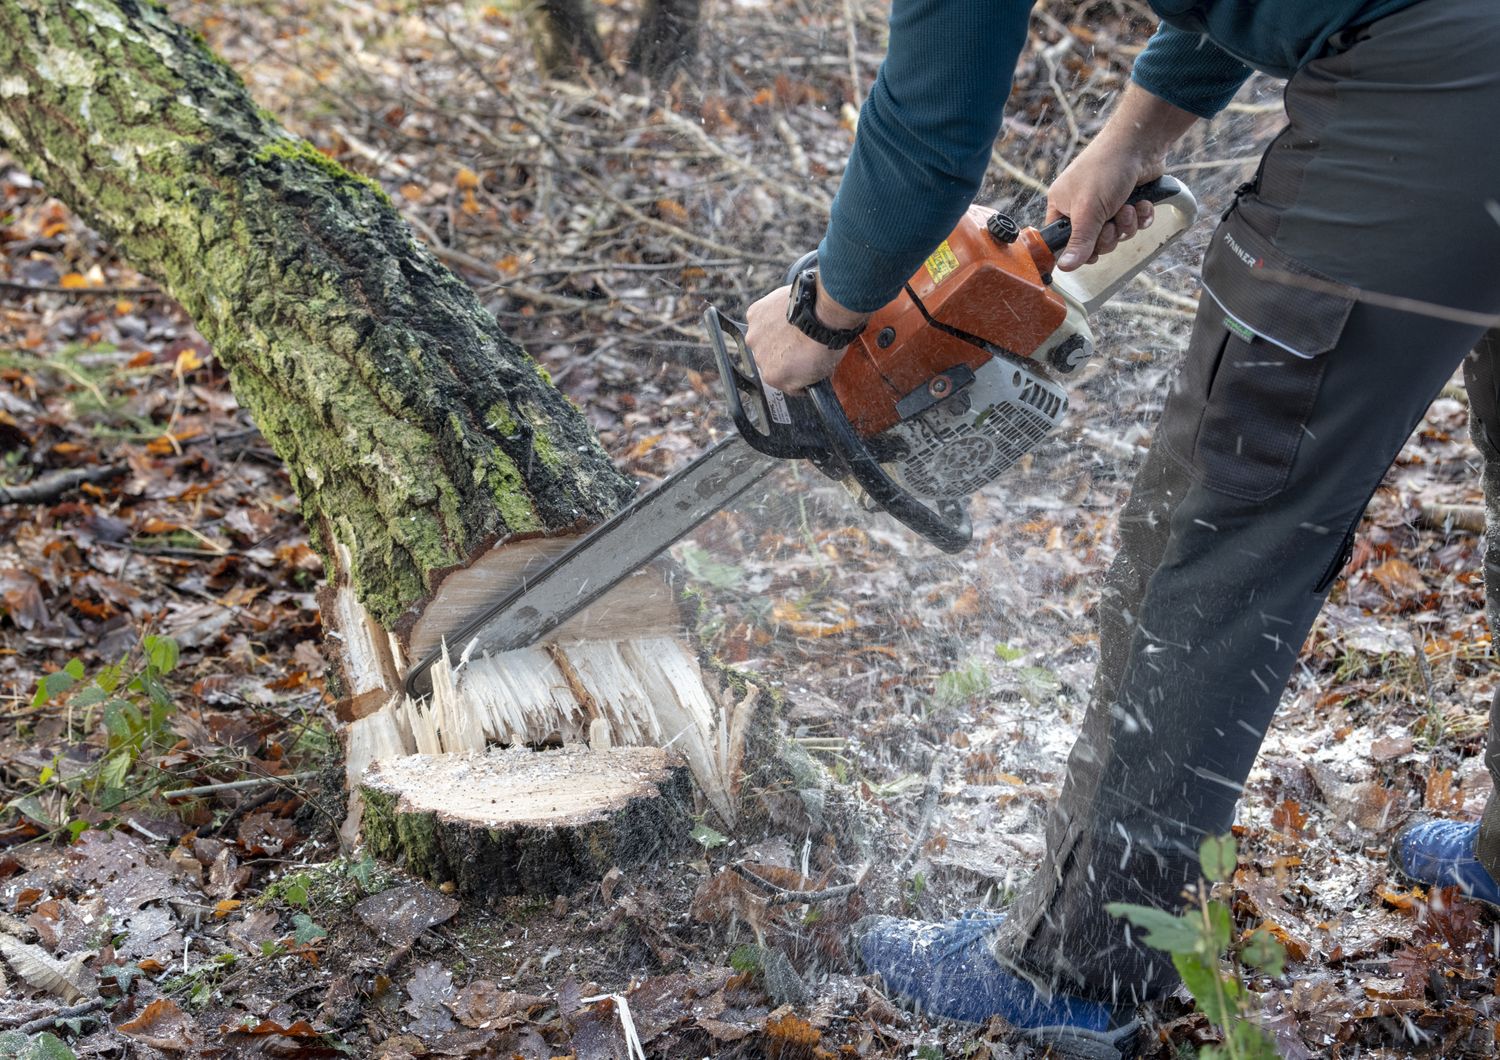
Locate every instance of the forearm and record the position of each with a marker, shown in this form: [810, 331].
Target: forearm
[925, 135]
[1144, 126]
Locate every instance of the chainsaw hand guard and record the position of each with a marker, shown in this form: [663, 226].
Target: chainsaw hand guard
[815, 427]
[775, 423]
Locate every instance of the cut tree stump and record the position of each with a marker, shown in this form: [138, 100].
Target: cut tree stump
[516, 821]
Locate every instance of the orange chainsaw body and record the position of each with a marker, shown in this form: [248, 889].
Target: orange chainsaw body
[988, 290]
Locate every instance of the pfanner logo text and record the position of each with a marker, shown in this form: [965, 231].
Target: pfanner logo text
[1241, 253]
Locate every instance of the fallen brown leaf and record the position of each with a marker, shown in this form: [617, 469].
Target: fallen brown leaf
[161, 1025]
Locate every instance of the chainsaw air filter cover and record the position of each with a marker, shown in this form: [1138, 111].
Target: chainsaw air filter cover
[960, 445]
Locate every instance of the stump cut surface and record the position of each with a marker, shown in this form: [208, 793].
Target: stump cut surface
[516, 821]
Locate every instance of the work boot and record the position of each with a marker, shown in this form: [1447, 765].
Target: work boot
[949, 971]
[1441, 854]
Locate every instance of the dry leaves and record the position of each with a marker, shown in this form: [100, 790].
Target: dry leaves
[38, 968]
[162, 1025]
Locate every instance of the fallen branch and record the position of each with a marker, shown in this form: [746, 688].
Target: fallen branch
[1455, 392]
[70, 1013]
[236, 785]
[51, 486]
[57, 288]
[1449, 517]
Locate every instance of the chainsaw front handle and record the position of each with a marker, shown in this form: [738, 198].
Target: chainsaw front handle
[773, 422]
[815, 427]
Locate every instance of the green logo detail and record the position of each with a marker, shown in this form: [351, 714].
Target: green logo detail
[1239, 329]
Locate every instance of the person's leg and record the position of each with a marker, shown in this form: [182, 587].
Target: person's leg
[1373, 184]
[1482, 381]
[1461, 853]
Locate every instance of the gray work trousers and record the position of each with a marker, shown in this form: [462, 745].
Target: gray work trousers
[1299, 387]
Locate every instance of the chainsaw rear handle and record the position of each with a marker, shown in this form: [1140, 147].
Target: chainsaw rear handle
[1162, 189]
[1093, 285]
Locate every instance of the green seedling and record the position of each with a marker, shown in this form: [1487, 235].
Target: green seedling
[1201, 942]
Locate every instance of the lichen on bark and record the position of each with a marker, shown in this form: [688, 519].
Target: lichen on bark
[415, 432]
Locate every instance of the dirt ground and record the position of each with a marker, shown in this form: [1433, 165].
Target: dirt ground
[598, 218]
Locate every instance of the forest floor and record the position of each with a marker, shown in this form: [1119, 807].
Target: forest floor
[171, 572]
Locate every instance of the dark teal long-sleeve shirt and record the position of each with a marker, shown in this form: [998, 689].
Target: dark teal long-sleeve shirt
[926, 130]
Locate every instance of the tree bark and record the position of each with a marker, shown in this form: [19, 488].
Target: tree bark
[419, 438]
[504, 822]
[415, 432]
[564, 36]
[666, 37]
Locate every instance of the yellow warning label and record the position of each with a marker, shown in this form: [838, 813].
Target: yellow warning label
[943, 263]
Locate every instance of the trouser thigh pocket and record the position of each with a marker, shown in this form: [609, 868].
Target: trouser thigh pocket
[1273, 321]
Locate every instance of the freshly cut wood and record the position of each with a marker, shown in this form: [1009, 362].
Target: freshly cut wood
[527, 822]
[651, 691]
[641, 606]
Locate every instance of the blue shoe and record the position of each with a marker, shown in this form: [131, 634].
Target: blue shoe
[948, 971]
[1441, 853]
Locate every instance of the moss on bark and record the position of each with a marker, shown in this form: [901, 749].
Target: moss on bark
[415, 431]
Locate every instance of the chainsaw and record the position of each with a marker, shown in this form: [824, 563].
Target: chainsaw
[947, 386]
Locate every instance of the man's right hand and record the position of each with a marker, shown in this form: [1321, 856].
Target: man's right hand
[1129, 151]
[788, 359]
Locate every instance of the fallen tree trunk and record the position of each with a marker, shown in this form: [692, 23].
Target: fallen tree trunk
[422, 442]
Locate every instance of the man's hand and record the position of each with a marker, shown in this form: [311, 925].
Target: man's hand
[1129, 151]
[788, 359]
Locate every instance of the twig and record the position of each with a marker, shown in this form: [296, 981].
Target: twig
[1423, 667]
[1146, 309]
[170, 550]
[51, 486]
[678, 122]
[1016, 173]
[1216, 163]
[59, 1016]
[851, 42]
[1449, 517]
[1158, 291]
[57, 288]
[236, 785]
[1456, 392]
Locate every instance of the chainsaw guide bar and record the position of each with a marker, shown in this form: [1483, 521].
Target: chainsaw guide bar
[607, 555]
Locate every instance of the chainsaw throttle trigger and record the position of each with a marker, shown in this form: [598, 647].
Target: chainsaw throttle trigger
[773, 422]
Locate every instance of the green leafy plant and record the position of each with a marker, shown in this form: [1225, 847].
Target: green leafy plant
[335, 884]
[131, 701]
[708, 837]
[747, 960]
[1201, 942]
[962, 684]
[44, 1046]
[701, 566]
